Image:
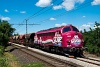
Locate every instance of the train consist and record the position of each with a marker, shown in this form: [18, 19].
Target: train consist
[64, 39]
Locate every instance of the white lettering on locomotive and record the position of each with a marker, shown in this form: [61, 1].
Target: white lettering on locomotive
[35, 39]
[57, 39]
[40, 41]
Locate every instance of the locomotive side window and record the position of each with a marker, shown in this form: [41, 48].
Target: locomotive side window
[66, 29]
[75, 29]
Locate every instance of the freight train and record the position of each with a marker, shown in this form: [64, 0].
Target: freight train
[64, 39]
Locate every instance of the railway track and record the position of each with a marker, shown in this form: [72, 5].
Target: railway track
[54, 62]
[60, 61]
[90, 60]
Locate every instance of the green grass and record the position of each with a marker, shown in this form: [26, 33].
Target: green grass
[33, 65]
[3, 59]
[9, 60]
[3, 62]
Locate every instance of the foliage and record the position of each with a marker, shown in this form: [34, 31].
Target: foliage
[5, 32]
[2, 51]
[3, 59]
[3, 62]
[16, 34]
[92, 39]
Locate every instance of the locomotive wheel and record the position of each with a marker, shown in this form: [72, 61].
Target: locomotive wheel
[79, 54]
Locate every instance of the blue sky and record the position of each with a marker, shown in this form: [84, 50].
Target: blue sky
[50, 13]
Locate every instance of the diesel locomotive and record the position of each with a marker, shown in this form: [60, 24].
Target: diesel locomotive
[64, 39]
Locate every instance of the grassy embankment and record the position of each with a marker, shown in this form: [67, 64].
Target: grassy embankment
[9, 60]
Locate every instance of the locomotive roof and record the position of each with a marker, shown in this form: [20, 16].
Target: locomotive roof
[51, 29]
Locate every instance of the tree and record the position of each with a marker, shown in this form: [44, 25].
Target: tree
[5, 32]
[92, 39]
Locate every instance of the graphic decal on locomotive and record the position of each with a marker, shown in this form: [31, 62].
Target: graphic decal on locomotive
[57, 39]
[76, 40]
[36, 39]
[48, 41]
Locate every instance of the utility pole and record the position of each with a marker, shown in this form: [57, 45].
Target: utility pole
[26, 25]
[26, 34]
[26, 29]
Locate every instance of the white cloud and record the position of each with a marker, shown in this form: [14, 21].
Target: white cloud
[83, 16]
[69, 4]
[23, 12]
[52, 18]
[96, 2]
[58, 25]
[57, 7]
[6, 10]
[5, 18]
[86, 26]
[43, 3]
[96, 26]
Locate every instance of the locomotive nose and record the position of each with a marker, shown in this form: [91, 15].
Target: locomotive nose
[76, 40]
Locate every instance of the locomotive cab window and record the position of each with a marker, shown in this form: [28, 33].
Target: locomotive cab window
[75, 29]
[66, 29]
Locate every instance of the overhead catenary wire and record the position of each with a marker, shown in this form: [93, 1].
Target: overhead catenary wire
[66, 12]
[35, 14]
[63, 13]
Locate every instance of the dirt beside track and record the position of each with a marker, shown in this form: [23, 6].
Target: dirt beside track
[91, 55]
[24, 58]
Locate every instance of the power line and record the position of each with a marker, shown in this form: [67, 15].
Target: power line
[26, 25]
[64, 13]
[61, 14]
[35, 14]
[44, 11]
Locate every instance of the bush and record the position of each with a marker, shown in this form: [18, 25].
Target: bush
[92, 39]
[2, 49]
[3, 62]
[2, 58]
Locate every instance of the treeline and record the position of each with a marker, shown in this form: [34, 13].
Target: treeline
[5, 32]
[92, 39]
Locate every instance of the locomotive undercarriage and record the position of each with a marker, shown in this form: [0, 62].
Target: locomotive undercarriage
[77, 52]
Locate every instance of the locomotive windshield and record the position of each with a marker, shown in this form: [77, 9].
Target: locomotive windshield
[66, 29]
[75, 29]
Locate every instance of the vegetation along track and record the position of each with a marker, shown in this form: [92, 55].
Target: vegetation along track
[61, 61]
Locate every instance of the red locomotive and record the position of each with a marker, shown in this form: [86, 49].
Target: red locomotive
[66, 39]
